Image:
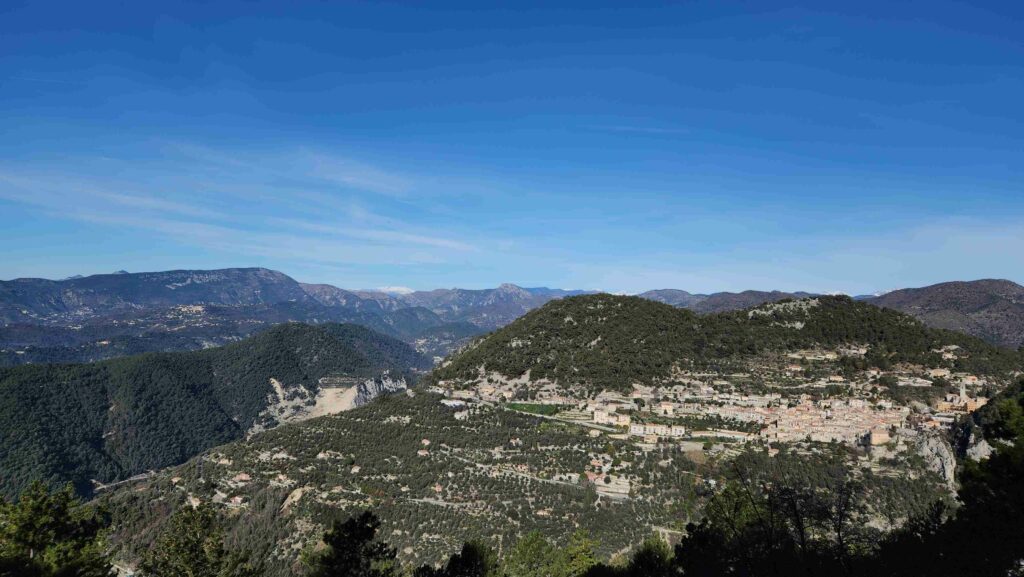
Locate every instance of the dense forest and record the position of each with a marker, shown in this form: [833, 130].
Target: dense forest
[607, 341]
[768, 520]
[109, 420]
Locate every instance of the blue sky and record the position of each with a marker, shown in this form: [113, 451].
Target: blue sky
[703, 146]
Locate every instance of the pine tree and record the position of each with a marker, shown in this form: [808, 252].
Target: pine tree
[652, 559]
[351, 550]
[475, 559]
[193, 546]
[578, 556]
[532, 556]
[50, 535]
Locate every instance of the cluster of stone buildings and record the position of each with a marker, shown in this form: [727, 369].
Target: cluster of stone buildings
[859, 418]
[960, 403]
[604, 417]
[846, 421]
[852, 420]
[953, 405]
[657, 430]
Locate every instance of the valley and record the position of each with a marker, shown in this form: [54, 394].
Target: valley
[624, 416]
[450, 289]
[616, 414]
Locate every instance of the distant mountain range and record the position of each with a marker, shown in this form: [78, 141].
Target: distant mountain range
[990, 309]
[82, 319]
[47, 301]
[485, 308]
[105, 316]
[91, 318]
[34, 301]
[718, 302]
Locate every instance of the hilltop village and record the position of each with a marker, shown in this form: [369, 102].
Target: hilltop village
[805, 399]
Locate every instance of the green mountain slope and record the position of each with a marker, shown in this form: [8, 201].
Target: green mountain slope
[990, 309]
[113, 419]
[607, 341]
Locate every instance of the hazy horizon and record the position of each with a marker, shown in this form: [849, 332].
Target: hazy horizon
[402, 289]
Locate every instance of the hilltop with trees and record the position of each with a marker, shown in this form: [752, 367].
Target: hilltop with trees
[607, 341]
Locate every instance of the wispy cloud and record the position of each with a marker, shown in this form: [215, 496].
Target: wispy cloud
[261, 243]
[158, 205]
[389, 236]
[221, 201]
[640, 129]
[51, 191]
[349, 173]
[302, 164]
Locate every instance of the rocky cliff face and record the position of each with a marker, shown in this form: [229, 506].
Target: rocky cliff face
[385, 384]
[977, 447]
[938, 454]
[293, 404]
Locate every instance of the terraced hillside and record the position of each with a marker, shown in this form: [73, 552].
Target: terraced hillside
[443, 477]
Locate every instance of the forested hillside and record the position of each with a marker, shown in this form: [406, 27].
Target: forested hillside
[113, 419]
[607, 341]
[991, 309]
